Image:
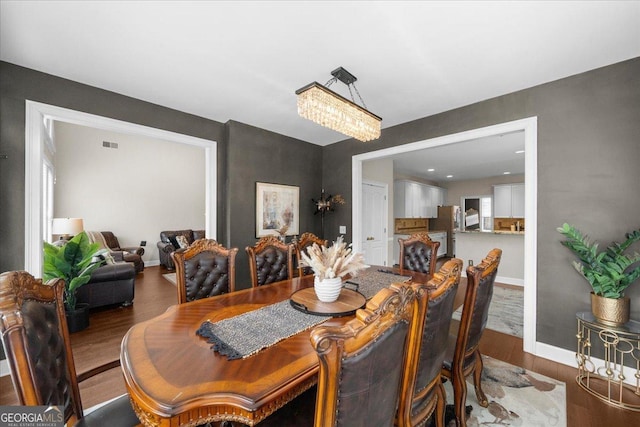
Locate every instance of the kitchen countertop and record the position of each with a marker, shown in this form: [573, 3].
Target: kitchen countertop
[516, 233]
[428, 232]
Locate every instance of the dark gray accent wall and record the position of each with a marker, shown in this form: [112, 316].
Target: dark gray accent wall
[588, 167]
[18, 84]
[588, 174]
[256, 155]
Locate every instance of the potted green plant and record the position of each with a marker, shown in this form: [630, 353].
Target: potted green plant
[609, 272]
[74, 262]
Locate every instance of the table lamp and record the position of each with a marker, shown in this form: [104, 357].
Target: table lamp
[66, 228]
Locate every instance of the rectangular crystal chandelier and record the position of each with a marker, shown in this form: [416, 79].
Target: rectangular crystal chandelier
[323, 106]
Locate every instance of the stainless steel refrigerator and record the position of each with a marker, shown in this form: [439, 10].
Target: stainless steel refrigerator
[448, 220]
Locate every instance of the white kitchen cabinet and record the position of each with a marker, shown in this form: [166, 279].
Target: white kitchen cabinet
[405, 203]
[517, 201]
[508, 201]
[416, 200]
[436, 198]
[442, 238]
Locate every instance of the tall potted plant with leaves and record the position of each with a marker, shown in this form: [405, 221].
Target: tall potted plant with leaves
[609, 272]
[74, 262]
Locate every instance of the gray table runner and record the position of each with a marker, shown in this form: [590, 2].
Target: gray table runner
[246, 334]
[370, 282]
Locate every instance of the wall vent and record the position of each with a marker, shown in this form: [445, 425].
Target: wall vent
[109, 144]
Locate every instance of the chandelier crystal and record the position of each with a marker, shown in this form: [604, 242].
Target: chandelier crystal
[323, 106]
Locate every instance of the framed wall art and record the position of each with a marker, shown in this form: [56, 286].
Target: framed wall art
[277, 209]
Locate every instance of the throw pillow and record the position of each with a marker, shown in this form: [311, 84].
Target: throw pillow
[108, 258]
[174, 242]
[182, 241]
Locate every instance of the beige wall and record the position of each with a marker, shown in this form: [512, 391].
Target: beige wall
[137, 190]
[475, 246]
[476, 187]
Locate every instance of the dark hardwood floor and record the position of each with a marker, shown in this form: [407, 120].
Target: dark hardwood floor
[154, 294]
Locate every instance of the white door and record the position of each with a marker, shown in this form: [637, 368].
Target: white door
[374, 223]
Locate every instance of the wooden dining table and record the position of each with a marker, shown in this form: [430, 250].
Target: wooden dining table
[174, 378]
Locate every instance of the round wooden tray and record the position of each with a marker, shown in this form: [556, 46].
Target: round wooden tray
[347, 303]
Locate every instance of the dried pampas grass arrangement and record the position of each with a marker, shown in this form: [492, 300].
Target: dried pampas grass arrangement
[337, 260]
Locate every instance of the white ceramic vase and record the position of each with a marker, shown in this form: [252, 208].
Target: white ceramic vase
[327, 290]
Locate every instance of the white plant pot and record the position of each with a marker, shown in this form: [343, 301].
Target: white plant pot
[327, 290]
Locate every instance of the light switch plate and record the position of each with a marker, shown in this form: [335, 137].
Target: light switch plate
[343, 229]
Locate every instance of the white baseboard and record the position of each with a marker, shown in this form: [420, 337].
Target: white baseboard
[152, 262]
[510, 281]
[506, 280]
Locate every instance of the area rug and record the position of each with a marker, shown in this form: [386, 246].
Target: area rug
[506, 313]
[517, 397]
[170, 277]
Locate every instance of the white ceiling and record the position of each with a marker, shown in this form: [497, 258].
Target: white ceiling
[474, 159]
[244, 60]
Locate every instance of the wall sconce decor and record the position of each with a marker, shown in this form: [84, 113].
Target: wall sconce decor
[326, 204]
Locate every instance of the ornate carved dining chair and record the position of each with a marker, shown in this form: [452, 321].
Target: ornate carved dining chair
[361, 365]
[421, 391]
[361, 362]
[38, 349]
[463, 356]
[270, 260]
[204, 269]
[419, 253]
[306, 240]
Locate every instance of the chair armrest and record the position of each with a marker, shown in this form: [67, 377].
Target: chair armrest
[118, 256]
[167, 248]
[138, 250]
[98, 370]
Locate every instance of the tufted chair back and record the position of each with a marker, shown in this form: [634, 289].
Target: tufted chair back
[306, 240]
[463, 355]
[422, 391]
[270, 261]
[361, 362]
[36, 342]
[419, 253]
[204, 269]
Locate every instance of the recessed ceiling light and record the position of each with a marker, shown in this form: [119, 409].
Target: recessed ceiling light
[430, 170]
[506, 173]
[449, 176]
[519, 151]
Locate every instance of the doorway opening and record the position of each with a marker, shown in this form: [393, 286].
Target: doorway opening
[38, 114]
[529, 127]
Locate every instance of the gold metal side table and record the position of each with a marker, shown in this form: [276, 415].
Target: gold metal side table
[606, 379]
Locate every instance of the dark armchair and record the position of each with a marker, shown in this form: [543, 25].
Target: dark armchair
[169, 243]
[306, 240]
[130, 254]
[361, 363]
[204, 269]
[422, 392]
[36, 340]
[109, 284]
[419, 253]
[107, 240]
[270, 261]
[463, 357]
